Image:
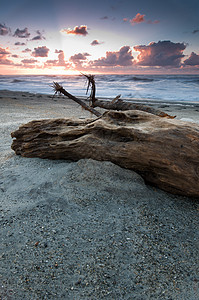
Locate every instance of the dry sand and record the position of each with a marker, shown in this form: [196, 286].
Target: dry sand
[88, 229]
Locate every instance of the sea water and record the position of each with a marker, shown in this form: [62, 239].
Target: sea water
[173, 88]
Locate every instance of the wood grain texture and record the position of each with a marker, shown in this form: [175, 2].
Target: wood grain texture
[165, 152]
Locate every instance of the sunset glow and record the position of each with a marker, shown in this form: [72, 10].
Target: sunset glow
[111, 37]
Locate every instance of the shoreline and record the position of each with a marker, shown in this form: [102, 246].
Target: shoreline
[136, 100]
[185, 111]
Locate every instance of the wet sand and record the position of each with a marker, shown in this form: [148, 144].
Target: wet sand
[88, 229]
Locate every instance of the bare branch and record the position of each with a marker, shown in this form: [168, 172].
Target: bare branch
[58, 88]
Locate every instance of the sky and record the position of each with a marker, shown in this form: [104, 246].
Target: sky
[99, 37]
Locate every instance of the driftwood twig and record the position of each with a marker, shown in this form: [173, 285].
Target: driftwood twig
[58, 88]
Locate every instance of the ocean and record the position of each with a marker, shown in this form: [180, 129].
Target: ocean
[172, 88]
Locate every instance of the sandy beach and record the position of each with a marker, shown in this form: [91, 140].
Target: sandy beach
[89, 229]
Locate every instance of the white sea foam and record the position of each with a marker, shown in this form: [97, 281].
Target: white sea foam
[175, 88]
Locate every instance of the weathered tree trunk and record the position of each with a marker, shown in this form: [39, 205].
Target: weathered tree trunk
[123, 105]
[164, 151]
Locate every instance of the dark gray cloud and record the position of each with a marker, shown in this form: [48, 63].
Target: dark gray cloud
[26, 50]
[19, 44]
[4, 30]
[104, 18]
[193, 60]
[29, 61]
[195, 31]
[78, 30]
[22, 33]
[38, 37]
[95, 43]
[40, 51]
[123, 57]
[163, 53]
[58, 51]
[79, 56]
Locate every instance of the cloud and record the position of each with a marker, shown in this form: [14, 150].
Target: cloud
[60, 62]
[19, 44]
[58, 51]
[78, 30]
[26, 50]
[23, 33]
[51, 63]
[79, 56]
[3, 52]
[153, 22]
[123, 57]
[41, 51]
[140, 19]
[193, 60]
[137, 19]
[3, 57]
[195, 31]
[163, 53]
[15, 56]
[38, 37]
[29, 61]
[4, 30]
[95, 43]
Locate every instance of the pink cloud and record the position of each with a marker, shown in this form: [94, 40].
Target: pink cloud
[123, 57]
[3, 57]
[163, 53]
[78, 30]
[60, 62]
[4, 52]
[193, 60]
[137, 19]
[41, 51]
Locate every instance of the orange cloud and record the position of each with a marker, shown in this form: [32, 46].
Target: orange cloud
[137, 19]
[78, 30]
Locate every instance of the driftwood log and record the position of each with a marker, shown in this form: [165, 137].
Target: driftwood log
[115, 104]
[165, 152]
